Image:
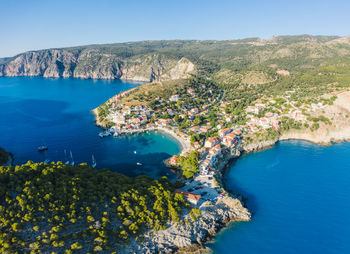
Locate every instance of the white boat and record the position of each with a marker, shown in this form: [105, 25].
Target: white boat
[42, 148]
[67, 162]
[138, 163]
[71, 156]
[93, 161]
[135, 152]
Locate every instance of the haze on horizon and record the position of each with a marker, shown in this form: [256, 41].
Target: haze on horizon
[39, 24]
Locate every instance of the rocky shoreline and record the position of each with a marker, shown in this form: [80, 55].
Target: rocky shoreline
[191, 238]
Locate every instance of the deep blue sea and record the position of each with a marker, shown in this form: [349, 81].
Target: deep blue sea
[56, 113]
[299, 194]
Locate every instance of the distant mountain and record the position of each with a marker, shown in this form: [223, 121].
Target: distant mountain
[4, 59]
[168, 60]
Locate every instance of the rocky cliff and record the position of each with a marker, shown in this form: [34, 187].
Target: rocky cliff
[96, 64]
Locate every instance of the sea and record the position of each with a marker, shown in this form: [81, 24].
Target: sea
[299, 196]
[56, 113]
[298, 192]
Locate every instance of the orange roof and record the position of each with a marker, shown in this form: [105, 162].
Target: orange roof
[188, 194]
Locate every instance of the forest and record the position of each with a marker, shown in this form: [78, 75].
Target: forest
[59, 208]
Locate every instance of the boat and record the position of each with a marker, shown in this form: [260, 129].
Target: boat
[46, 161]
[93, 161]
[71, 156]
[135, 152]
[67, 162]
[138, 163]
[42, 148]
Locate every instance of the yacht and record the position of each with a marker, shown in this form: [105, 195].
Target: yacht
[42, 148]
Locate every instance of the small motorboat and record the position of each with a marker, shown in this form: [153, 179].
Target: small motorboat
[138, 163]
[46, 161]
[42, 148]
[135, 152]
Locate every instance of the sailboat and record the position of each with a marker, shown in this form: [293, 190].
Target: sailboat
[71, 155]
[93, 161]
[65, 157]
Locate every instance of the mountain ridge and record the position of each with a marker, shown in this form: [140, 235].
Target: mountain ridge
[174, 59]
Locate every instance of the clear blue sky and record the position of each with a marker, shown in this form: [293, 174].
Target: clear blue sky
[37, 24]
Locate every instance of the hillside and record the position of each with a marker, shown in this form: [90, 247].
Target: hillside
[169, 60]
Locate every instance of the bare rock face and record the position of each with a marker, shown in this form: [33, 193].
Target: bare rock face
[92, 63]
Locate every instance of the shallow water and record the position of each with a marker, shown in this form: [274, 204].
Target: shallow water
[299, 194]
[56, 113]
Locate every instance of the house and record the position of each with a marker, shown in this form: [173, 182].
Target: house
[174, 160]
[194, 111]
[174, 97]
[253, 128]
[195, 129]
[150, 125]
[212, 142]
[224, 132]
[275, 123]
[219, 126]
[228, 118]
[197, 145]
[265, 122]
[126, 111]
[169, 111]
[118, 119]
[164, 122]
[181, 134]
[229, 139]
[215, 151]
[193, 198]
[204, 129]
[254, 109]
[237, 132]
[191, 91]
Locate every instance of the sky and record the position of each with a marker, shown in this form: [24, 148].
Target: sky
[38, 24]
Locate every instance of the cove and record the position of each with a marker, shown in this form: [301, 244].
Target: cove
[299, 196]
[56, 112]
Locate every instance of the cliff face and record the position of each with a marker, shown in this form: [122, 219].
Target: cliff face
[92, 63]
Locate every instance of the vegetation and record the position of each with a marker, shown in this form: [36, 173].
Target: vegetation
[189, 164]
[61, 208]
[4, 156]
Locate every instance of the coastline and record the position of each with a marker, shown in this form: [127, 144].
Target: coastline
[178, 238]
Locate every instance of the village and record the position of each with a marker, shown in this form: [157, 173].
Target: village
[217, 143]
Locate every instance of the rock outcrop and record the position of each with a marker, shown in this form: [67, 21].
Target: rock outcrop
[192, 235]
[96, 64]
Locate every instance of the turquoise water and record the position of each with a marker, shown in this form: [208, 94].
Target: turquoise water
[299, 194]
[56, 112]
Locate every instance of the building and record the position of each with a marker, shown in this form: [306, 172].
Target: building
[193, 198]
[195, 129]
[224, 132]
[174, 97]
[204, 129]
[229, 139]
[215, 151]
[228, 118]
[212, 142]
[197, 145]
[174, 160]
[191, 91]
